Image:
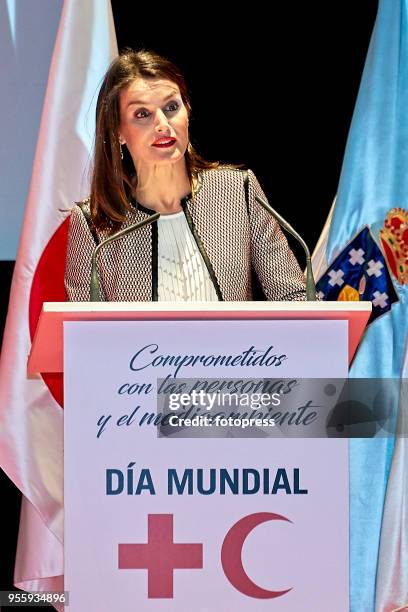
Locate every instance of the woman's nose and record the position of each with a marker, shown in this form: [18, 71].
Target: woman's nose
[161, 122]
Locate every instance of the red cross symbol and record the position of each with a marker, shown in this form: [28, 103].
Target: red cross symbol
[160, 556]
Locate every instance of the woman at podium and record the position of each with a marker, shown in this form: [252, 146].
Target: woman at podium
[211, 234]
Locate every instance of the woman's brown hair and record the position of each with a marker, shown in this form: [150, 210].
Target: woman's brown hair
[114, 179]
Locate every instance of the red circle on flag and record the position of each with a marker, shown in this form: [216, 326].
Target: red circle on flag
[48, 286]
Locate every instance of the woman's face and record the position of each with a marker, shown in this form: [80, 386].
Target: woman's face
[153, 122]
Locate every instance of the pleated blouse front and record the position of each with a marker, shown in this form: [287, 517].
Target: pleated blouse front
[182, 273]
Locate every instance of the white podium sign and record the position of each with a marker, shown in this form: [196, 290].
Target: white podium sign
[198, 523]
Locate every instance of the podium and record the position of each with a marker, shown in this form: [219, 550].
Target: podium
[206, 517]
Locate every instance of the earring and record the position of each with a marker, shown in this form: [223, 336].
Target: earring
[121, 151]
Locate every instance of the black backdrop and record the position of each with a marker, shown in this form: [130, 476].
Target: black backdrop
[273, 88]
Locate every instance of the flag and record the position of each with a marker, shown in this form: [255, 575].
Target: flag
[31, 418]
[392, 578]
[373, 194]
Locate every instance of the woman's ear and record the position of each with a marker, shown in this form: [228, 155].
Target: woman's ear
[122, 141]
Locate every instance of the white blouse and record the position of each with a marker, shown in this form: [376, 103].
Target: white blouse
[182, 273]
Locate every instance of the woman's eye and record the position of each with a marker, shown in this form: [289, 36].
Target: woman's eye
[173, 106]
[142, 114]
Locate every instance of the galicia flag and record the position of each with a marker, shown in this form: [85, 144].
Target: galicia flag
[373, 193]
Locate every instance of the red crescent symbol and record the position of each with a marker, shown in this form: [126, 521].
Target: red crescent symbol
[231, 555]
[48, 286]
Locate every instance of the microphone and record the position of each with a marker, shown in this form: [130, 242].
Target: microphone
[95, 286]
[310, 283]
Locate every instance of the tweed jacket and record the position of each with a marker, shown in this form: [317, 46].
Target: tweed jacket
[233, 233]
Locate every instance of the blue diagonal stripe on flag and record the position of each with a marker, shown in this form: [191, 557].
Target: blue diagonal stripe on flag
[360, 272]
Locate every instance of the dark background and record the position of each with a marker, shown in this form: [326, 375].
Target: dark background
[273, 89]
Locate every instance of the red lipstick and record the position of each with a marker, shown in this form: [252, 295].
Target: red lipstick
[164, 142]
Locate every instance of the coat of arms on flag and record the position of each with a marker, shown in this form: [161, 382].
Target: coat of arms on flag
[394, 240]
[360, 272]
